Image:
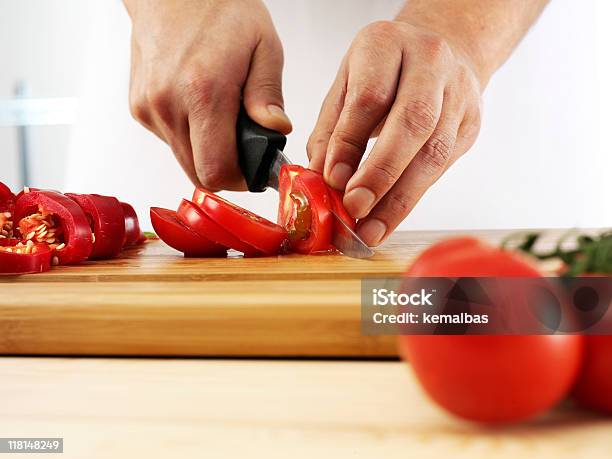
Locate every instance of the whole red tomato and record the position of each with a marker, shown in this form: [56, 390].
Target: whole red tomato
[594, 386]
[489, 378]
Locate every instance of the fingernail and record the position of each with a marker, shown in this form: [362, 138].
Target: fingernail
[278, 112]
[339, 176]
[358, 202]
[372, 232]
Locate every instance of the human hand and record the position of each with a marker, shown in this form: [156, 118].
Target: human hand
[420, 94]
[191, 63]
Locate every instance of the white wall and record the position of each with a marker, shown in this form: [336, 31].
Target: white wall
[542, 159]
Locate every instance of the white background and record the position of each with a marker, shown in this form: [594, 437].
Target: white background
[543, 158]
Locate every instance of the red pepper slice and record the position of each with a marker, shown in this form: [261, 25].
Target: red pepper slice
[18, 258]
[304, 209]
[178, 236]
[192, 216]
[7, 207]
[265, 236]
[106, 220]
[51, 217]
[133, 233]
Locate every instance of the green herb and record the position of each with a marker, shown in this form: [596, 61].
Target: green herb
[587, 255]
[151, 235]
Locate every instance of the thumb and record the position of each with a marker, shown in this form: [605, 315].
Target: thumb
[263, 90]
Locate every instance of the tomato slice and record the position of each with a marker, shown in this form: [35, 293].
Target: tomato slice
[52, 218]
[106, 219]
[7, 198]
[178, 236]
[256, 231]
[192, 216]
[304, 209]
[19, 258]
[133, 233]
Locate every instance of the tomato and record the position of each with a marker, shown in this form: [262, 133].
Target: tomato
[7, 198]
[192, 216]
[489, 379]
[256, 231]
[304, 209]
[19, 258]
[594, 386]
[178, 236]
[106, 219]
[52, 218]
[133, 233]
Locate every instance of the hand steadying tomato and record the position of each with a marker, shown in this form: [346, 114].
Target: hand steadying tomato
[178, 236]
[256, 231]
[489, 378]
[106, 220]
[51, 218]
[304, 209]
[197, 220]
[19, 258]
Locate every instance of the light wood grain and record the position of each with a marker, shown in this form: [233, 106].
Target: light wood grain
[127, 408]
[152, 301]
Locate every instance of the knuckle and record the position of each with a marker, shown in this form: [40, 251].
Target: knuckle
[379, 29]
[418, 117]
[198, 89]
[316, 143]
[370, 98]
[435, 47]
[347, 140]
[437, 151]
[384, 173]
[399, 204]
[211, 176]
[138, 109]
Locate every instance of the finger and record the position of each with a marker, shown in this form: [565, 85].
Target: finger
[411, 121]
[372, 83]
[180, 142]
[213, 110]
[328, 117]
[263, 91]
[428, 165]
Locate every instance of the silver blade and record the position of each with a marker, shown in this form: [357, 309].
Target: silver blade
[279, 162]
[345, 240]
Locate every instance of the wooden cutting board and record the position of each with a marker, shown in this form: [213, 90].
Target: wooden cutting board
[152, 301]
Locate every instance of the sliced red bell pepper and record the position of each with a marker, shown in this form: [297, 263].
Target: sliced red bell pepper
[133, 233]
[265, 236]
[18, 258]
[304, 209]
[192, 216]
[52, 218]
[107, 222]
[178, 236]
[7, 208]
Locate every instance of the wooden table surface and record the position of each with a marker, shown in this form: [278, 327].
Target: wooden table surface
[154, 302]
[184, 408]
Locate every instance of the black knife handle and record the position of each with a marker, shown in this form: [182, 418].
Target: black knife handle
[257, 148]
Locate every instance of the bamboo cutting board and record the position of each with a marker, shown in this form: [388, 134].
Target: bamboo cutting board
[152, 301]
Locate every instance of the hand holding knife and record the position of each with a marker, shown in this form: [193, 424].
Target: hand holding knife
[260, 154]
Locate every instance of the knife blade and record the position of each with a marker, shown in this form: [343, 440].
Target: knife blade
[261, 157]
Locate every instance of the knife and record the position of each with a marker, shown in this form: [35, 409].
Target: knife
[260, 154]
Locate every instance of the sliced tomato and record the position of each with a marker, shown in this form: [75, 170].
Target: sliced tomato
[178, 236]
[19, 258]
[256, 231]
[133, 233]
[7, 198]
[192, 216]
[304, 209]
[106, 219]
[52, 218]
